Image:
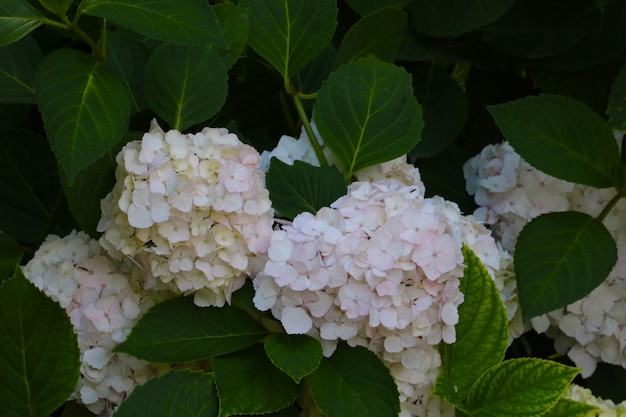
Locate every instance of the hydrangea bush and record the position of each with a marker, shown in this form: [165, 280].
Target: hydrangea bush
[320, 208]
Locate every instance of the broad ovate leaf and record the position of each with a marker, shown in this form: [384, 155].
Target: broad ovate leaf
[127, 59]
[58, 7]
[177, 330]
[367, 114]
[18, 63]
[185, 22]
[559, 258]
[444, 18]
[570, 408]
[365, 383]
[185, 85]
[10, 255]
[39, 356]
[365, 7]
[248, 383]
[376, 34]
[235, 22]
[181, 393]
[525, 387]
[290, 33]
[481, 334]
[302, 187]
[562, 138]
[17, 19]
[617, 102]
[297, 355]
[85, 108]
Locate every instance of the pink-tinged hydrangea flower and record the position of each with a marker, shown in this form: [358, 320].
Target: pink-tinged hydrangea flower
[104, 298]
[192, 209]
[589, 330]
[379, 268]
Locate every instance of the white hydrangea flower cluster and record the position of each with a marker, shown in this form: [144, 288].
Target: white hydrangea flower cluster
[606, 408]
[192, 209]
[103, 301]
[511, 193]
[380, 268]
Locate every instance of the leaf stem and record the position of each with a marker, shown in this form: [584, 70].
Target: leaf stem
[307, 96]
[73, 27]
[610, 205]
[309, 131]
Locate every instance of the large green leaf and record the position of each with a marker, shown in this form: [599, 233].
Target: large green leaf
[127, 59]
[570, 408]
[561, 137]
[177, 393]
[235, 23]
[481, 334]
[58, 7]
[85, 108]
[10, 255]
[176, 330]
[18, 63]
[185, 85]
[185, 22]
[248, 383]
[302, 187]
[290, 33]
[367, 114]
[365, 385]
[525, 387]
[376, 34]
[559, 258]
[297, 355]
[617, 102]
[444, 106]
[454, 17]
[27, 184]
[39, 357]
[17, 19]
[310, 78]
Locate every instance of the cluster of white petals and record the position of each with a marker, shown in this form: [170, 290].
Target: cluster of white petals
[510, 193]
[379, 268]
[606, 408]
[192, 209]
[103, 298]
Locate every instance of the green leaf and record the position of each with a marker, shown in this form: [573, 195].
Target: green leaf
[362, 105]
[183, 22]
[248, 383]
[617, 102]
[177, 330]
[91, 185]
[297, 355]
[562, 138]
[481, 334]
[177, 393]
[376, 34]
[27, 185]
[18, 63]
[73, 409]
[85, 108]
[128, 59]
[444, 18]
[354, 382]
[310, 78]
[235, 23]
[17, 19]
[302, 187]
[39, 357]
[570, 408]
[58, 7]
[10, 255]
[560, 258]
[290, 33]
[519, 387]
[364, 7]
[185, 85]
[445, 109]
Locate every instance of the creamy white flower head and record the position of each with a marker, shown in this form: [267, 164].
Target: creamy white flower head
[606, 408]
[192, 209]
[590, 330]
[104, 299]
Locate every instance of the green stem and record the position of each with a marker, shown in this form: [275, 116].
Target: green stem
[73, 27]
[309, 131]
[307, 96]
[609, 207]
